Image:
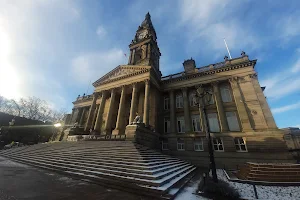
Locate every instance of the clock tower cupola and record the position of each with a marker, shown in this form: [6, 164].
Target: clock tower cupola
[143, 48]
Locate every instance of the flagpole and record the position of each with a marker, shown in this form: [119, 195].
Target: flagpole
[227, 49]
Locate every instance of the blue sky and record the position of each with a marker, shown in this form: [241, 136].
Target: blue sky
[55, 49]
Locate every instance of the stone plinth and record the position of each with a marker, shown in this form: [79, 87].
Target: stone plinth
[142, 135]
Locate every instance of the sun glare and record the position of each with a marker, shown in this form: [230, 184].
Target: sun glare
[9, 80]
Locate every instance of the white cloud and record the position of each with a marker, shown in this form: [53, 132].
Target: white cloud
[212, 20]
[296, 67]
[288, 26]
[283, 83]
[91, 66]
[101, 32]
[28, 28]
[286, 108]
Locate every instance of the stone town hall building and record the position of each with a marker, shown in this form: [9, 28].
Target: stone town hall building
[240, 120]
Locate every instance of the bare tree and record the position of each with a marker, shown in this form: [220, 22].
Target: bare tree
[31, 108]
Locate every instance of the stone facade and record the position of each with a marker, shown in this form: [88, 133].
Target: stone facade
[240, 120]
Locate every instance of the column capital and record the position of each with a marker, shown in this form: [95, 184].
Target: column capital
[233, 79]
[215, 83]
[253, 76]
[184, 89]
[147, 81]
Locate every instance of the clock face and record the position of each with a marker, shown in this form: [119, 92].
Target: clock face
[142, 35]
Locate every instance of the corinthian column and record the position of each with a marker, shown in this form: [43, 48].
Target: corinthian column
[187, 117]
[220, 108]
[133, 103]
[107, 128]
[82, 117]
[172, 112]
[240, 104]
[146, 103]
[98, 122]
[120, 116]
[88, 124]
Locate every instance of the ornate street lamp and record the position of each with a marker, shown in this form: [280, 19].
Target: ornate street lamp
[204, 97]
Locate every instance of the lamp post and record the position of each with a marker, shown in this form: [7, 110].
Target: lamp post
[204, 96]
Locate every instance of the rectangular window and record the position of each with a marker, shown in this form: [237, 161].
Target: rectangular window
[167, 125]
[180, 125]
[225, 93]
[193, 99]
[166, 103]
[164, 145]
[198, 145]
[211, 100]
[180, 144]
[218, 144]
[179, 101]
[232, 121]
[213, 122]
[196, 123]
[240, 144]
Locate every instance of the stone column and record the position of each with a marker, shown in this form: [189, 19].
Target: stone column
[107, 128]
[133, 103]
[202, 116]
[220, 108]
[120, 116]
[132, 57]
[91, 112]
[72, 116]
[94, 117]
[78, 114]
[82, 116]
[172, 112]
[146, 103]
[98, 123]
[187, 116]
[129, 59]
[240, 104]
[269, 119]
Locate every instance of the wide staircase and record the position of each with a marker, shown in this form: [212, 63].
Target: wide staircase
[269, 172]
[120, 164]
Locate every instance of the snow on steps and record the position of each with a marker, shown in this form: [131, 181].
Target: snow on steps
[114, 163]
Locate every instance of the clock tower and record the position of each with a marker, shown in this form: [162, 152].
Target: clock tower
[143, 48]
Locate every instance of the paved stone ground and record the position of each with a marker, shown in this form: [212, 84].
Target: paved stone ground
[23, 182]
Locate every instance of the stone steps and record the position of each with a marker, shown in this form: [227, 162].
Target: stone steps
[122, 164]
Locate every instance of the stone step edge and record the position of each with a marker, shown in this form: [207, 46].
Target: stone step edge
[132, 154]
[128, 187]
[120, 158]
[126, 179]
[152, 170]
[108, 171]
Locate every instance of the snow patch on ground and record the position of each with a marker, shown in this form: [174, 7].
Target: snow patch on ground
[264, 192]
[246, 191]
[66, 179]
[189, 192]
[8, 163]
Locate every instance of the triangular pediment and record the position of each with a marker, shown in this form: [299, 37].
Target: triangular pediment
[121, 71]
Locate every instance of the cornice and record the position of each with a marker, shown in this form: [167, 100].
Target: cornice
[143, 69]
[211, 71]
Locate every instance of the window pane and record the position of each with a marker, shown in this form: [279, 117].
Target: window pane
[237, 147]
[232, 121]
[243, 147]
[221, 147]
[213, 122]
[225, 93]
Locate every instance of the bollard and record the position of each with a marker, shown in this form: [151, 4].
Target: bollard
[255, 192]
